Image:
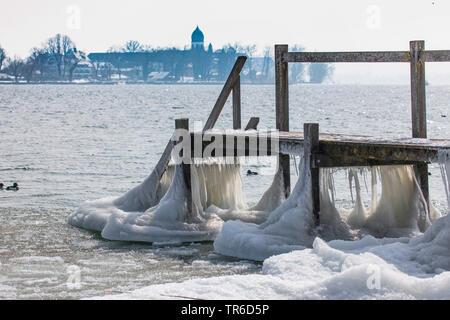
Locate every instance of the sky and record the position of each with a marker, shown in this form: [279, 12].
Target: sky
[320, 25]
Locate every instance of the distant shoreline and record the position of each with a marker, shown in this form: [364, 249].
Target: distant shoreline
[125, 83]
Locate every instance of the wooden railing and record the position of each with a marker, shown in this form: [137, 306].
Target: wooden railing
[416, 57]
[231, 85]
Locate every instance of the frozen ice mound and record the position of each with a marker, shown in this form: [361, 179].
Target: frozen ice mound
[157, 211]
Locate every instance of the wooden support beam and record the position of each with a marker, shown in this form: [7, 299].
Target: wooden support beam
[346, 154]
[184, 124]
[436, 55]
[365, 56]
[418, 99]
[418, 108]
[334, 57]
[252, 124]
[334, 150]
[226, 90]
[311, 148]
[282, 109]
[237, 104]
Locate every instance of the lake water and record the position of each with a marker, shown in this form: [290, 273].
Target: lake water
[65, 144]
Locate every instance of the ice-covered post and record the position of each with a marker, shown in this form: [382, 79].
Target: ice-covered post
[311, 147]
[184, 124]
[282, 109]
[418, 107]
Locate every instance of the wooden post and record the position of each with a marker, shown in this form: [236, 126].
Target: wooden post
[418, 99]
[161, 166]
[226, 90]
[252, 123]
[282, 109]
[237, 104]
[311, 147]
[184, 124]
[418, 108]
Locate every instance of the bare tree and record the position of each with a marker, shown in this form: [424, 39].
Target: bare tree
[95, 66]
[265, 73]
[132, 46]
[68, 49]
[227, 56]
[72, 61]
[28, 68]
[60, 47]
[296, 70]
[115, 58]
[38, 58]
[54, 49]
[15, 67]
[318, 72]
[249, 51]
[2, 57]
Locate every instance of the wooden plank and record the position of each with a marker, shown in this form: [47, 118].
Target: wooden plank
[335, 57]
[334, 152]
[237, 104]
[252, 123]
[250, 146]
[282, 109]
[282, 89]
[311, 148]
[418, 98]
[418, 108]
[346, 153]
[226, 90]
[184, 124]
[365, 56]
[436, 55]
[160, 167]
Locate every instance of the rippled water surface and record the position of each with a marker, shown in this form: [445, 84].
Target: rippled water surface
[65, 144]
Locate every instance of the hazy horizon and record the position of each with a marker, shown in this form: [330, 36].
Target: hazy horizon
[318, 26]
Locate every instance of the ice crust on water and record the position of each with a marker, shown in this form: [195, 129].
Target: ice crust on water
[369, 268]
[216, 195]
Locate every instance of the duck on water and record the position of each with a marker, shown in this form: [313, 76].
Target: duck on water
[14, 187]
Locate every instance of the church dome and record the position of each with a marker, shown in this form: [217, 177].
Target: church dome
[197, 36]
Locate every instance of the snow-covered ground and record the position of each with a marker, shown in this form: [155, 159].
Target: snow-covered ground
[366, 269]
[370, 268]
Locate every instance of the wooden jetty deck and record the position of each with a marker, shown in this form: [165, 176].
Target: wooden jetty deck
[323, 150]
[335, 150]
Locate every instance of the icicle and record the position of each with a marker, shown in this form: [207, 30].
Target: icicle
[445, 174]
[350, 180]
[295, 164]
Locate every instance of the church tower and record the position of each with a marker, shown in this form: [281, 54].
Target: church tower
[197, 39]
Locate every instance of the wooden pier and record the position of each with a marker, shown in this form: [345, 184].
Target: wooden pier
[323, 150]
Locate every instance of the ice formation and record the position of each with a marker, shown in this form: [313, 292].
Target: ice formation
[93, 215]
[369, 268]
[216, 196]
[399, 210]
[271, 227]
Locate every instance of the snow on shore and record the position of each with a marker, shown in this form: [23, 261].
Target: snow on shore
[370, 268]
